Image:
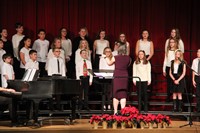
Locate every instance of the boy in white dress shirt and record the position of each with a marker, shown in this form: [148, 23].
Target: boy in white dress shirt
[32, 63]
[85, 76]
[2, 52]
[41, 45]
[196, 78]
[7, 72]
[56, 65]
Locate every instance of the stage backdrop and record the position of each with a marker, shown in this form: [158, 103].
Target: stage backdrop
[115, 16]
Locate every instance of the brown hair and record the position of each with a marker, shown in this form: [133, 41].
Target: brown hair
[145, 61]
[54, 41]
[178, 36]
[176, 45]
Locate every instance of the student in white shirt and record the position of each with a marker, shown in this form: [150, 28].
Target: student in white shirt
[56, 65]
[175, 34]
[99, 44]
[2, 52]
[122, 38]
[41, 45]
[169, 56]
[67, 47]
[56, 44]
[196, 78]
[107, 53]
[32, 63]
[145, 44]
[84, 75]
[7, 72]
[83, 45]
[15, 42]
[24, 48]
[142, 69]
[103, 65]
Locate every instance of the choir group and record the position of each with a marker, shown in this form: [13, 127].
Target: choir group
[73, 59]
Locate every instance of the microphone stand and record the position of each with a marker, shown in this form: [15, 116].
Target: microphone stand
[190, 115]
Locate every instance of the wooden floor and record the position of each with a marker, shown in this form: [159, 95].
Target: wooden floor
[83, 126]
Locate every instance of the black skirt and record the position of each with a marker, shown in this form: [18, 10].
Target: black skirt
[180, 87]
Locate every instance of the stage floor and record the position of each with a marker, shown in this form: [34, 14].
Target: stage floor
[83, 126]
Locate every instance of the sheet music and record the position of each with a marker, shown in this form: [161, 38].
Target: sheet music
[26, 75]
[33, 71]
[104, 74]
[29, 75]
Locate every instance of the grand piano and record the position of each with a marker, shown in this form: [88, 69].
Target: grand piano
[43, 88]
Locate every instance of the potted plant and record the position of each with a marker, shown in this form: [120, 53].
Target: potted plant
[166, 121]
[133, 120]
[159, 120]
[104, 119]
[141, 120]
[150, 119]
[127, 111]
[95, 119]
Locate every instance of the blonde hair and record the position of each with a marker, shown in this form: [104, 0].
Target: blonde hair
[104, 52]
[181, 53]
[81, 47]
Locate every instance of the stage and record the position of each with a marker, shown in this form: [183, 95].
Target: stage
[83, 126]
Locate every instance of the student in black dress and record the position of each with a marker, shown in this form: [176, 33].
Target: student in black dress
[177, 74]
[7, 43]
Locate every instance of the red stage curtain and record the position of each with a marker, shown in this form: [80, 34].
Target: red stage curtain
[115, 16]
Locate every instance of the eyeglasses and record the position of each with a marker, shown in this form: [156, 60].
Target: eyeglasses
[57, 51]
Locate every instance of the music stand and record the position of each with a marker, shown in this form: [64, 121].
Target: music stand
[104, 78]
[101, 74]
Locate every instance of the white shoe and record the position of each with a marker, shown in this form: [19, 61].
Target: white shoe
[109, 107]
[6, 111]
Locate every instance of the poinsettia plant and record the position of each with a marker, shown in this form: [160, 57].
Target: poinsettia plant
[133, 118]
[141, 118]
[167, 119]
[104, 117]
[159, 118]
[150, 118]
[123, 119]
[95, 118]
[127, 111]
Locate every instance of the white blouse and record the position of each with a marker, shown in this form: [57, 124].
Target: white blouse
[168, 58]
[26, 56]
[67, 46]
[100, 46]
[104, 65]
[143, 71]
[146, 46]
[175, 68]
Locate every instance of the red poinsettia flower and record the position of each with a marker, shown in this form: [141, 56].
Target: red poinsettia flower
[95, 118]
[150, 118]
[129, 111]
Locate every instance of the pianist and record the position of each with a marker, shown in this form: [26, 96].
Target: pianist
[4, 101]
